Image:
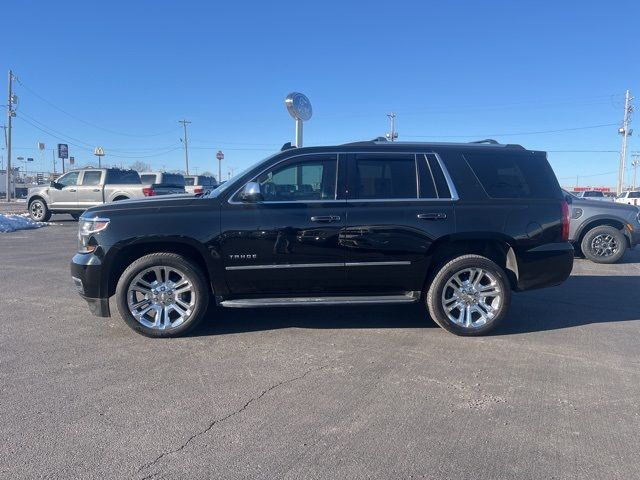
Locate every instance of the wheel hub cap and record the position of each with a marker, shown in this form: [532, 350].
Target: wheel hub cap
[472, 297]
[161, 297]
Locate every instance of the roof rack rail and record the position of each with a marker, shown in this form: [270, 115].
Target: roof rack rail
[487, 140]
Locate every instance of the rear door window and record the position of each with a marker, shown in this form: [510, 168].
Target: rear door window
[148, 179]
[383, 176]
[91, 177]
[514, 174]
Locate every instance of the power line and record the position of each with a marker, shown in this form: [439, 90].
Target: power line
[511, 134]
[90, 123]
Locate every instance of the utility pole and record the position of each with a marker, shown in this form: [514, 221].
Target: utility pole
[10, 115]
[186, 143]
[392, 135]
[625, 132]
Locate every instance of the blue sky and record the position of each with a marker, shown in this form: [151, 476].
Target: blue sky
[124, 73]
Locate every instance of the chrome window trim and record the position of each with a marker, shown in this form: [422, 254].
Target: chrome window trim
[447, 177]
[433, 179]
[445, 172]
[314, 265]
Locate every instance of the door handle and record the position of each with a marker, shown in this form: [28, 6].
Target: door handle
[96, 190]
[432, 216]
[72, 189]
[326, 218]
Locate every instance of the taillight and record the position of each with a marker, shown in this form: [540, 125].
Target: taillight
[148, 192]
[198, 190]
[565, 221]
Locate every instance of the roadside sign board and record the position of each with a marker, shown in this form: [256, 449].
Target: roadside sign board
[63, 150]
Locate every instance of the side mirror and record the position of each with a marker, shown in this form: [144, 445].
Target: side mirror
[251, 193]
[568, 199]
[55, 185]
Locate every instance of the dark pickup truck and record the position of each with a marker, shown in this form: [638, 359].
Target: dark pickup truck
[459, 226]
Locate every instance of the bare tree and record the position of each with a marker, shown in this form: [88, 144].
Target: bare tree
[140, 166]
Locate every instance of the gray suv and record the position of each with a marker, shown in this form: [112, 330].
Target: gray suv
[603, 231]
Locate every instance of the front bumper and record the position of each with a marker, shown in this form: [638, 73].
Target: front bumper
[87, 276]
[544, 266]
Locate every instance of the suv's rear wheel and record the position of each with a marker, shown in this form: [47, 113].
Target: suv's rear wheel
[162, 295]
[469, 295]
[39, 211]
[604, 244]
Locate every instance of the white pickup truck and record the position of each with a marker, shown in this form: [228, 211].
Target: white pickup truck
[77, 190]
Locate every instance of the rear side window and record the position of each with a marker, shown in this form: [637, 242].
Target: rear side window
[173, 179]
[91, 177]
[150, 178]
[384, 176]
[190, 181]
[634, 194]
[514, 175]
[123, 177]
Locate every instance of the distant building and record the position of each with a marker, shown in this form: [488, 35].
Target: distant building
[3, 183]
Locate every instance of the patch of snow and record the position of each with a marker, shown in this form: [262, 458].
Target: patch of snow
[12, 223]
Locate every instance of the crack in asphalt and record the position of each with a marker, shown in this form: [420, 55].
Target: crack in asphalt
[220, 420]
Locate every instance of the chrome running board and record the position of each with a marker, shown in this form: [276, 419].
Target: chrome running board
[409, 297]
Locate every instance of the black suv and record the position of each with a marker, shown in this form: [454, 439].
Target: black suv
[458, 225]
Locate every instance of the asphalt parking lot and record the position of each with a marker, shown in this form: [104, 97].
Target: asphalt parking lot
[360, 392]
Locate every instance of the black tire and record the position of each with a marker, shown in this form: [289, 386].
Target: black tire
[604, 244]
[172, 261]
[75, 216]
[440, 288]
[38, 210]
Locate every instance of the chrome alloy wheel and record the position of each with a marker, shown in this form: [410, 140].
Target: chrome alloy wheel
[161, 297]
[604, 245]
[472, 297]
[37, 210]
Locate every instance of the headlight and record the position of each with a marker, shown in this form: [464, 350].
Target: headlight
[86, 228]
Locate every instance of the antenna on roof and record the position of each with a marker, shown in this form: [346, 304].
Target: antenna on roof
[287, 146]
[487, 140]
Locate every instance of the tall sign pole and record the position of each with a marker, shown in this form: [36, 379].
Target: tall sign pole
[220, 156]
[299, 108]
[10, 115]
[625, 132]
[186, 143]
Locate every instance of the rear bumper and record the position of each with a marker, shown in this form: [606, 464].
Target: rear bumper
[544, 266]
[86, 273]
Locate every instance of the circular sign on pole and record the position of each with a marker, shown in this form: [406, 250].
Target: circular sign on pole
[220, 155]
[299, 106]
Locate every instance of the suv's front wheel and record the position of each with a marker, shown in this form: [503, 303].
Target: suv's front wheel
[162, 295]
[469, 295]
